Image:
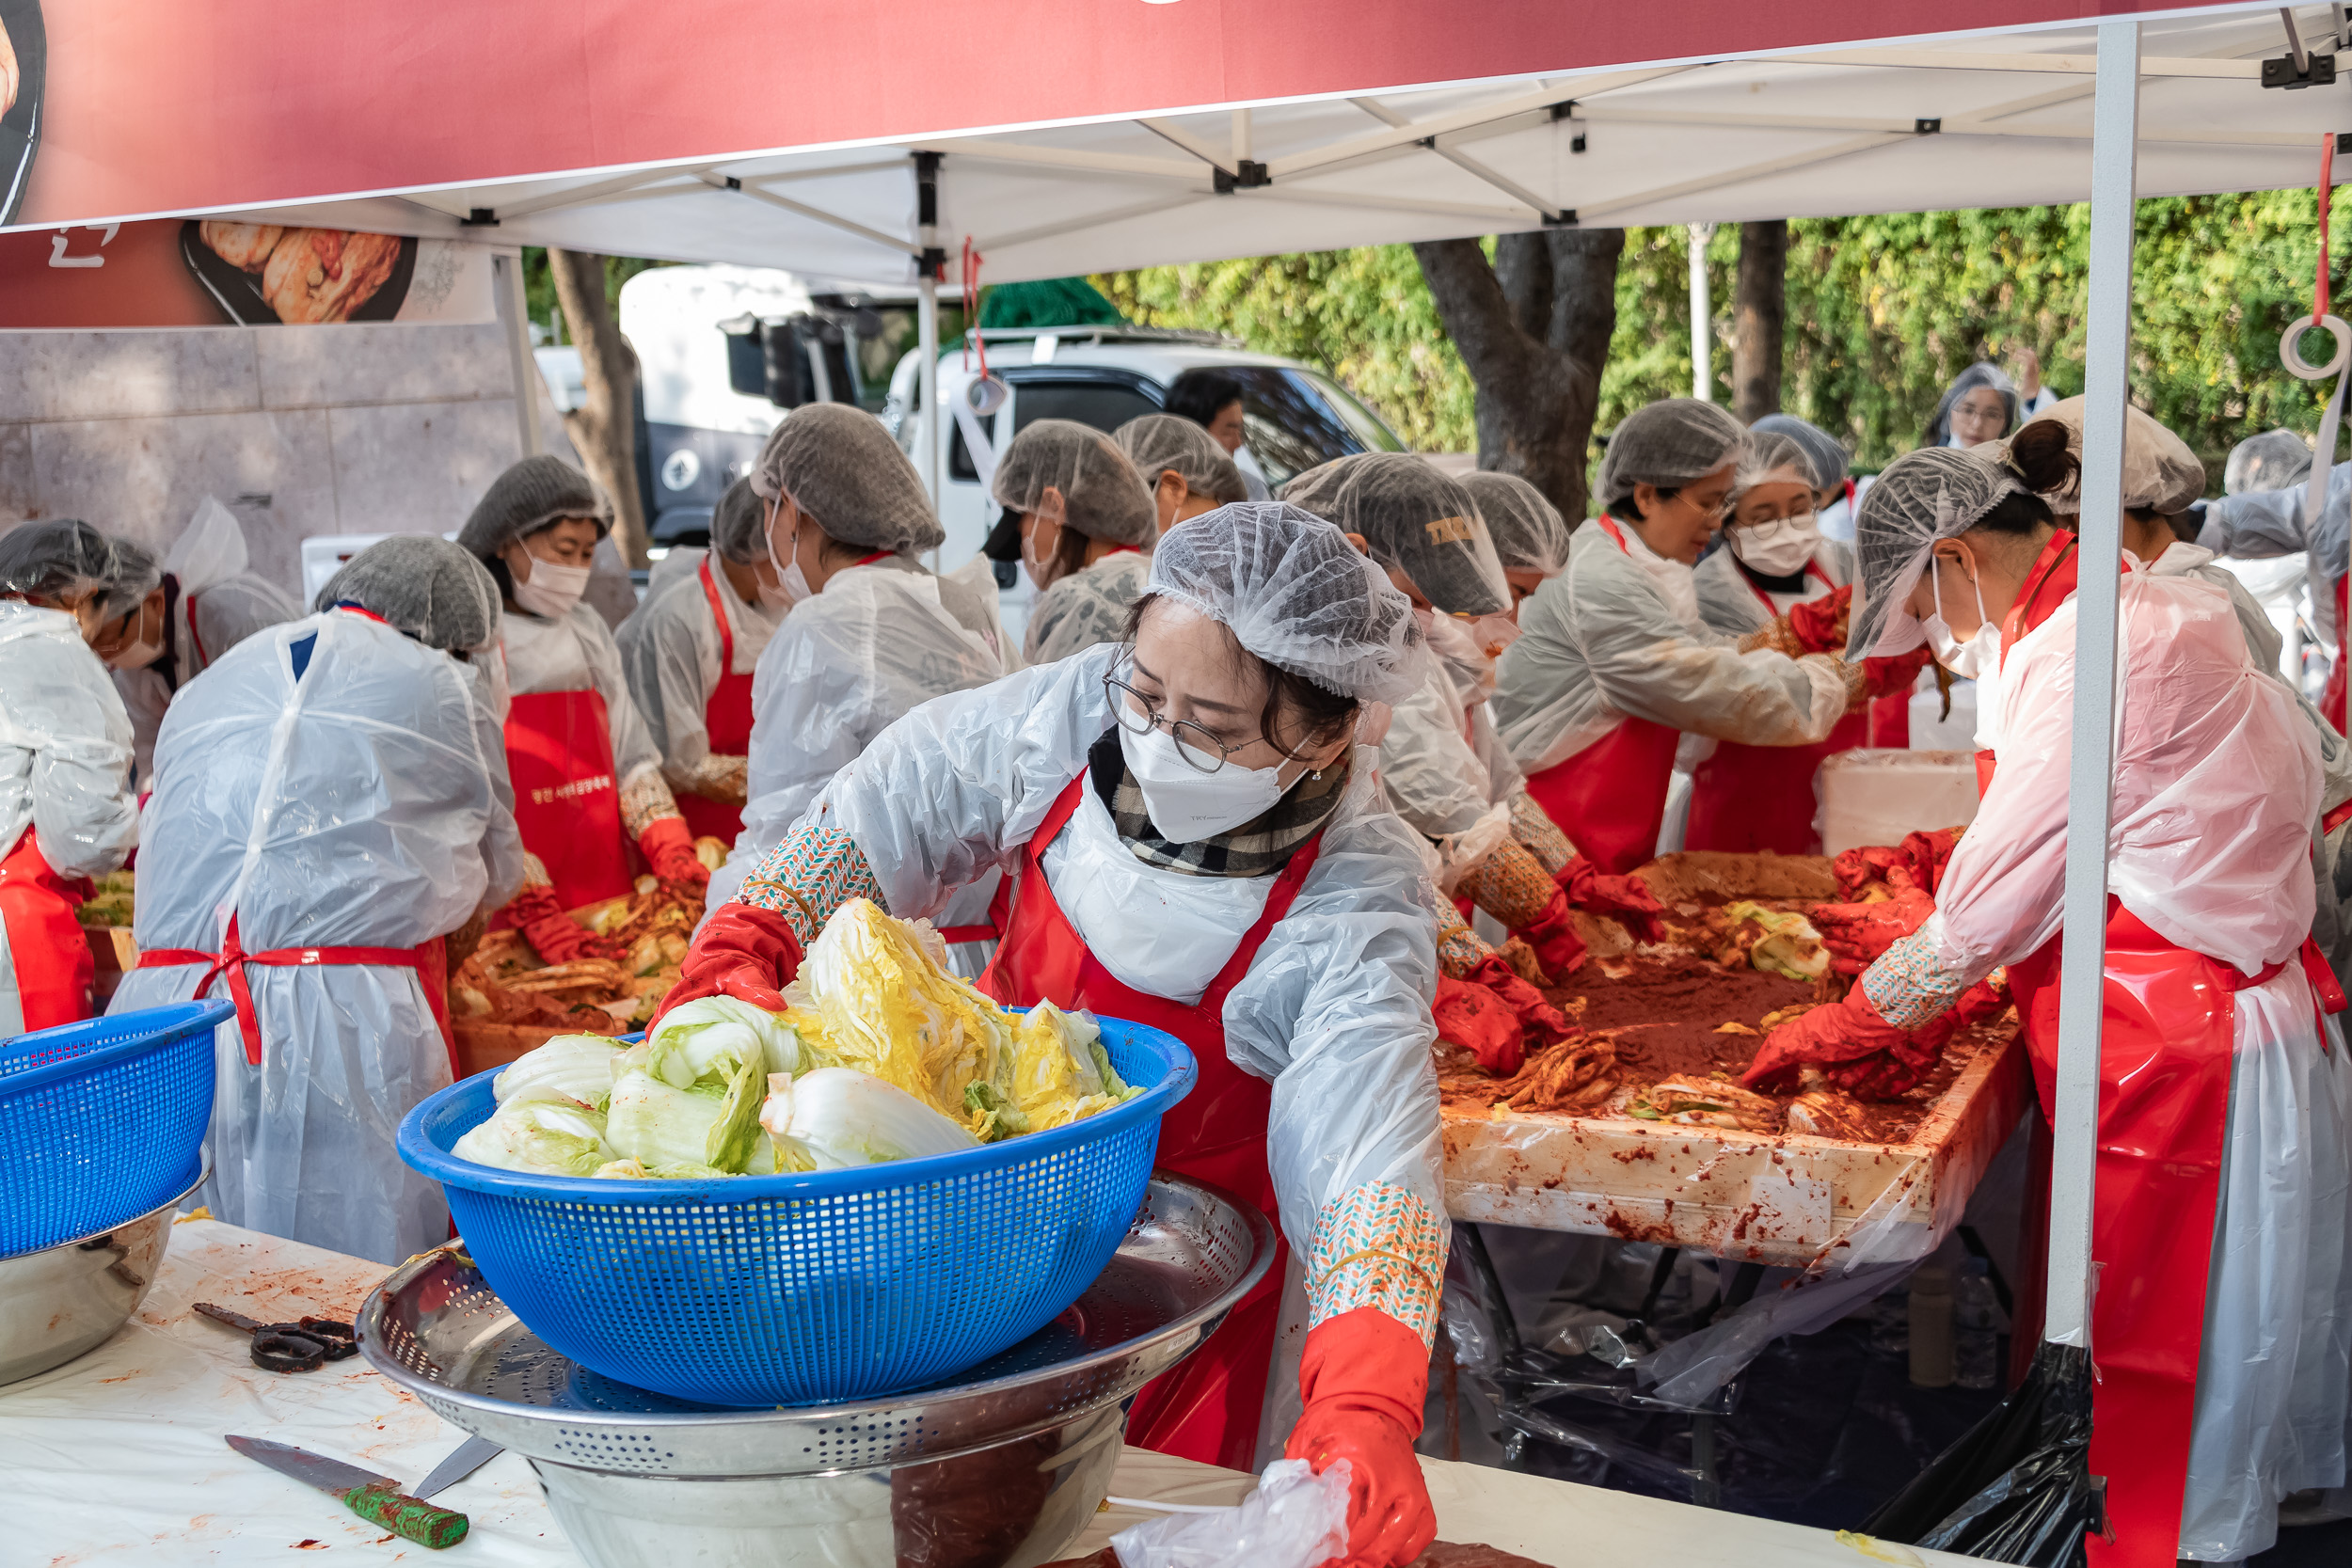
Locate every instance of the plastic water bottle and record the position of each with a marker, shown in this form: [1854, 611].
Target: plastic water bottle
[1976, 1323]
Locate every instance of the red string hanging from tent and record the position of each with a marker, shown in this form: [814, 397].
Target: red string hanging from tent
[2327, 189]
[972, 259]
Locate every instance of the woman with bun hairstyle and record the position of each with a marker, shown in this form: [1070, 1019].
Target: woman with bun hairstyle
[2220, 1219]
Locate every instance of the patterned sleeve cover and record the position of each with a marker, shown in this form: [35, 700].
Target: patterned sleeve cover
[816, 870]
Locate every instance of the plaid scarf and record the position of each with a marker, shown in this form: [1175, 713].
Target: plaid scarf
[1258, 847]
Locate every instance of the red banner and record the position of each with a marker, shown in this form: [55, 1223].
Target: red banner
[126, 108]
[172, 272]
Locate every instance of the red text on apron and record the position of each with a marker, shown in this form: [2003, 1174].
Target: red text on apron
[429, 959]
[1745, 798]
[559, 751]
[46, 947]
[1609, 798]
[1207, 1408]
[727, 720]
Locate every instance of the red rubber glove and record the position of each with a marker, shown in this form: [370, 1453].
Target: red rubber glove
[1856, 1049]
[744, 952]
[1363, 1377]
[1626, 899]
[1475, 1018]
[1856, 934]
[1541, 1022]
[1553, 935]
[1884, 678]
[1821, 624]
[669, 849]
[552, 934]
[1918, 861]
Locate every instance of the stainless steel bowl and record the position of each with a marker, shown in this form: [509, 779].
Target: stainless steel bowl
[999, 1468]
[67, 1300]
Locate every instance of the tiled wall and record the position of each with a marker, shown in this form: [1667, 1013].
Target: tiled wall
[302, 431]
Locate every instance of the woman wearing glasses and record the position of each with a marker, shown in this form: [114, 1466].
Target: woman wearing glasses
[1196, 824]
[1614, 664]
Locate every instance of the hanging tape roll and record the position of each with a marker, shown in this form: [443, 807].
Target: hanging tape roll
[2340, 365]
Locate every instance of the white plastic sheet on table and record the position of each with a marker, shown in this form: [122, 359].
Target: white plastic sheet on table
[117, 1457]
[1553, 1522]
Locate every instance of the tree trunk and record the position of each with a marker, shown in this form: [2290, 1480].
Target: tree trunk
[1760, 309]
[604, 429]
[1534, 331]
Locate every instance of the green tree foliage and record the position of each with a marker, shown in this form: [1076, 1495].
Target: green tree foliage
[1882, 311]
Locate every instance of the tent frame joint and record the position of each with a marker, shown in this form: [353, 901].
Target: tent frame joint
[1928, 127]
[480, 217]
[1246, 175]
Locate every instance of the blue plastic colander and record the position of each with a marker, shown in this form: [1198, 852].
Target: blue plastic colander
[799, 1290]
[103, 1121]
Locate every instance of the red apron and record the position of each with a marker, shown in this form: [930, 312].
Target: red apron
[46, 947]
[1745, 798]
[559, 751]
[1609, 798]
[1207, 1408]
[2164, 1095]
[727, 720]
[427, 958]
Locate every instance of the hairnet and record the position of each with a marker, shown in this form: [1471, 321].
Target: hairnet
[429, 588]
[2160, 473]
[1291, 590]
[1102, 498]
[65, 557]
[1768, 453]
[1668, 443]
[1975, 375]
[1159, 443]
[1414, 520]
[738, 525]
[1934, 493]
[1830, 457]
[840, 466]
[2271, 461]
[535, 494]
[1526, 530]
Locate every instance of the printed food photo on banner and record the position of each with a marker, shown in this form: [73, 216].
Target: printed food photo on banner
[23, 62]
[225, 272]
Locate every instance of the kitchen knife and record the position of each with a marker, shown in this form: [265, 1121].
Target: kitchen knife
[373, 1498]
[464, 1460]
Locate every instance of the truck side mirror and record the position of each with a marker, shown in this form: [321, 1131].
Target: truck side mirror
[747, 361]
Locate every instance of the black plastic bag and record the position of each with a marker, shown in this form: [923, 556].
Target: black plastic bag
[2018, 1487]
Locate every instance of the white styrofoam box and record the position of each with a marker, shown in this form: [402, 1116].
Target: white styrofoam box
[1956, 733]
[1876, 796]
[324, 554]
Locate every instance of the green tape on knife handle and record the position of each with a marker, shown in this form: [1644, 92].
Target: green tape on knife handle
[411, 1518]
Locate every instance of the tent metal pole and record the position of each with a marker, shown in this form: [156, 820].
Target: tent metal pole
[507, 278]
[2106, 356]
[927, 380]
[1702, 355]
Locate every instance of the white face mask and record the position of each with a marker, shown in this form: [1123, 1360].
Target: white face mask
[138, 654]
[1187, 805]
[772, 595]
[792, 582]
[551, 590]
[1972, 660]
[1778, 549]
[1036, 566]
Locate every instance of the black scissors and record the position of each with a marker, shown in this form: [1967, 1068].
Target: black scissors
[304, 1345]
